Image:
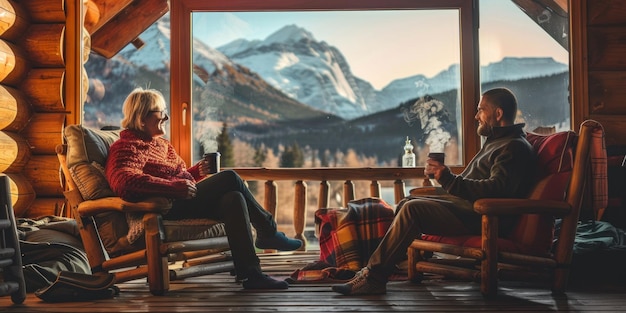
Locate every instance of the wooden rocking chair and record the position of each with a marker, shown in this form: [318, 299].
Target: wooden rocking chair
[528, 254]
[170, 251]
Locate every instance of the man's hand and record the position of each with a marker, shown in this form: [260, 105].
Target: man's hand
[434, 168]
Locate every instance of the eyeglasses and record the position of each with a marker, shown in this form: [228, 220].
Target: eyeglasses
[164, 116]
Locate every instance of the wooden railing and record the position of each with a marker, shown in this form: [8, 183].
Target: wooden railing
[325, 175]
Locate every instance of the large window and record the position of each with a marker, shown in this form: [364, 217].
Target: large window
[335, 83]
[330, 83]
[327, 88]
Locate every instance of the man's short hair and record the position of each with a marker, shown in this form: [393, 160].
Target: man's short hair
[504, 99]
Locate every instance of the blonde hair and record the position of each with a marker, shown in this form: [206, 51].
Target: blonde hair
[138, 105]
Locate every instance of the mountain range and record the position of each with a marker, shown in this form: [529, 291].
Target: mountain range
[312, 72]
[269, 89]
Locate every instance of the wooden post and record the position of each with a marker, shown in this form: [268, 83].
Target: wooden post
[299, 213]
[348, 192]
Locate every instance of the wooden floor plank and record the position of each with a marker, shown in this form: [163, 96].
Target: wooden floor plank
[220, 293]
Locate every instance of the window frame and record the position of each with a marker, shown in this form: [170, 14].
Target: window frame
[181, 60]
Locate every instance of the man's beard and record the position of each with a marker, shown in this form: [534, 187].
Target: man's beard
[484, 129]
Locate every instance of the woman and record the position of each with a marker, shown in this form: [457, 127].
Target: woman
[142, 164]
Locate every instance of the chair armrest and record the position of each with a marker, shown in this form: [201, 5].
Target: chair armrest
[93, 207]
[498, 206]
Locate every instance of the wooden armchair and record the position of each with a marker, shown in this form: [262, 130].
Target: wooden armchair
[563, 187]
[130, 239]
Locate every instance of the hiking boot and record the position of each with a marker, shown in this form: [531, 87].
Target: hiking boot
[361, 284]
[278, 242]
[263, 281]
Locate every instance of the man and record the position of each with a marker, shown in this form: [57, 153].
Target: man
[500, 169]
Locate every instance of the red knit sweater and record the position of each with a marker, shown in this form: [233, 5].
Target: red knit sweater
[139, 166]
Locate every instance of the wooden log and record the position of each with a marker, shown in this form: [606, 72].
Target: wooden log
[91, 15]
[14, 152]
[126, 26]
[22, 193]
[13, 64]
[43, 87]
[44, 132]
[15, 111]
[13, 21]
[44, 44]
[45, 11]
[102, 11]
[46, 206]
[43, 173]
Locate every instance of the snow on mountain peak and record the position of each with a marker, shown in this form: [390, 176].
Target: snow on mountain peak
[289, 34]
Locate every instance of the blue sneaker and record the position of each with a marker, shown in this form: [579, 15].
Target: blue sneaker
[278, 242]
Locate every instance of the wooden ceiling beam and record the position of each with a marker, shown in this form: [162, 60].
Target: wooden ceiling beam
[103, 11]
[126, 26]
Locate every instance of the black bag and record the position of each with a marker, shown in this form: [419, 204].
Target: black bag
[72, 287]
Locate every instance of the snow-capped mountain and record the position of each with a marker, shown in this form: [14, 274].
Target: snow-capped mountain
[293, 62]
[308, 70]
[317, 74]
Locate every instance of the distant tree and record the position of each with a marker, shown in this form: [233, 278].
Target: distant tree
[292, 156]
[225, 147]
[260, 155]
[324, 159]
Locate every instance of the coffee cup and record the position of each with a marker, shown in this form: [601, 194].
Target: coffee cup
[437, 156]
[213, 159]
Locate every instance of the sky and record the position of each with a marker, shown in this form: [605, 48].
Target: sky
[406, 43]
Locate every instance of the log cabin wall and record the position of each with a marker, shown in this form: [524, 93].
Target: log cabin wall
[32, 112]
[603, 50]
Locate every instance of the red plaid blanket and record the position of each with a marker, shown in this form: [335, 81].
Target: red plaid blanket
[347, 238]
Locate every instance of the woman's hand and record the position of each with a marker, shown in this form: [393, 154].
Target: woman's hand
[189, 188]
[203, 167]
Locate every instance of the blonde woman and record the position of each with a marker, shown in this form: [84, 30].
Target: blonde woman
[143, 164]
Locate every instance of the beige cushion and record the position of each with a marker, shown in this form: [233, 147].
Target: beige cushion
[87, 150]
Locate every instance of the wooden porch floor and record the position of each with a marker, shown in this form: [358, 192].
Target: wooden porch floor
[219, 293]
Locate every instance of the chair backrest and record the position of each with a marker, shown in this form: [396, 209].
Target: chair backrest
[87, 150]
[557, 178]
[534, 233]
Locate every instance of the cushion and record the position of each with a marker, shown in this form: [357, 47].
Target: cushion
[534, 233]
[90, 181]
[88, 145]
[87, 150]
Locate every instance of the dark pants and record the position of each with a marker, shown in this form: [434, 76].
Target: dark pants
[225, 197]
[421, 216]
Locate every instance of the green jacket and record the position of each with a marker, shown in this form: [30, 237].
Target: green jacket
[503, 168]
